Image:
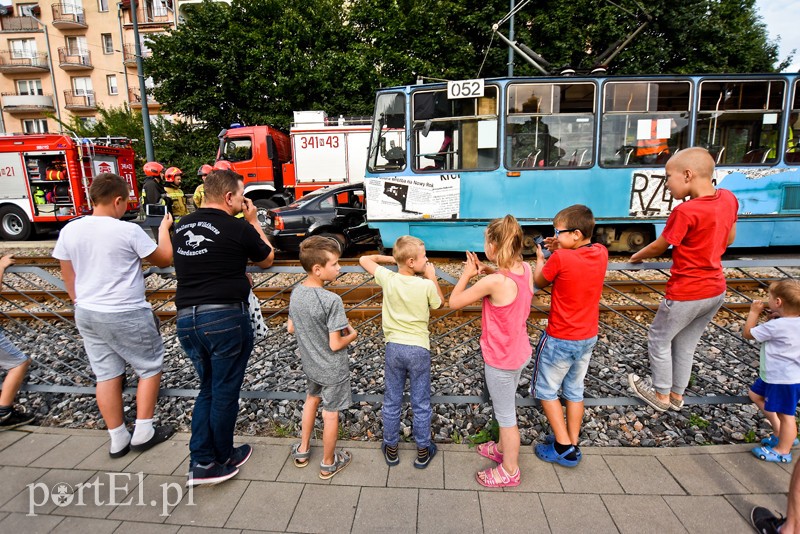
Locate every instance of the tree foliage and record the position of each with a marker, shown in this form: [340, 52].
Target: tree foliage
[255, 61]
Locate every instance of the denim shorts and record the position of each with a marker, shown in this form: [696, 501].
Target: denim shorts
[10, 355]
[778, 398]
[502, 385]
[561, 364]
[112, 339]
[335, 398]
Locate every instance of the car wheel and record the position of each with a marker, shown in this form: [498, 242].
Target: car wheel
[339, 238]
[262, 206]
[14, 224]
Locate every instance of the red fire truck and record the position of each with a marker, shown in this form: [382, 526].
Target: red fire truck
[317, 152]
[44, 179]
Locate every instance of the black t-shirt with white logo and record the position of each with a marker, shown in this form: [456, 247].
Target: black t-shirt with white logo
[211, 249]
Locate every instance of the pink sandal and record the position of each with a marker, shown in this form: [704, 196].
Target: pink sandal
[497, 477]
[489, 450]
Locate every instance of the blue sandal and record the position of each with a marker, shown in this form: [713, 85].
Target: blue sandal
[772, 441]
[549, 439]
[768, 454]
[547, 452]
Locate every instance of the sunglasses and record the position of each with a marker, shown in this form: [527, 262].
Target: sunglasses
[557, 232]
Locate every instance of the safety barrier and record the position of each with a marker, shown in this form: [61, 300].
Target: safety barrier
[37, 318]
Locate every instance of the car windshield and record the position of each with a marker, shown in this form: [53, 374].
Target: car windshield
[314, 195]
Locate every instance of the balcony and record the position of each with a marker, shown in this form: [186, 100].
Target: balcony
[28, 104]
[18, 24]
[69, 59]
[80, 100]
[135, 99]
[150, 13]
[15, 61]
[129, 55]
[68, 17]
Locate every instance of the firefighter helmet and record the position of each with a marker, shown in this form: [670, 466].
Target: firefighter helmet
[222, 165]
[153, 168]
[172, 173]
[204, 170]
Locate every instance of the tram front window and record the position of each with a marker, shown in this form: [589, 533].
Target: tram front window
[644, 122]
[454, 134]
[387, 145]
[550, 125]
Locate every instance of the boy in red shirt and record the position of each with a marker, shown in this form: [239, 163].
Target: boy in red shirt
[699, 231]
[577, 270]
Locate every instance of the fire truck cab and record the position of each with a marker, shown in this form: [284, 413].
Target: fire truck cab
[278, 169]
[44, 179]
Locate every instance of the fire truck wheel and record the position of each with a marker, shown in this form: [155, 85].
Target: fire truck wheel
[262, 206]
[14, 224]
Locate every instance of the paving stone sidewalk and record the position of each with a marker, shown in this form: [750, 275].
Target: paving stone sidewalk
[61, 480]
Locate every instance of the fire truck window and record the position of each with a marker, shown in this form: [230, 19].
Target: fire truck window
[238, 149]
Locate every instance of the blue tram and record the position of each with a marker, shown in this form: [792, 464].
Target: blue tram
[445, 159]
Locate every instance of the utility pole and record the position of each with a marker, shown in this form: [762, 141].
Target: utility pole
[148, 137]
[52, 72]
[511, 38]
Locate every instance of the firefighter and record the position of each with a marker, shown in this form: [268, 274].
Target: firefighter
[200, 193]
[172, 185]
[154, 194]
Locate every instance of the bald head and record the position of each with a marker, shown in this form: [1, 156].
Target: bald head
[694, 159]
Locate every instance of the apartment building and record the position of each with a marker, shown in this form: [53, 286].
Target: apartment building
[66, 58]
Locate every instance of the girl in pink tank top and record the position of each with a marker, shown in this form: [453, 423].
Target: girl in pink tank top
[506, 296]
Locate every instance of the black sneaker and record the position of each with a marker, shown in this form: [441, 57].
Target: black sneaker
[14, 419]
[422, 464]
[240, 455]
[213, 473]
[765, 521]
[390, 457]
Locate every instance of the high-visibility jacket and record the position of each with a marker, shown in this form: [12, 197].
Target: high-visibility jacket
[178, 200]
[654, 145]
[199, 196]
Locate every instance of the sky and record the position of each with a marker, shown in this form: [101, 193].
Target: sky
[781, 18]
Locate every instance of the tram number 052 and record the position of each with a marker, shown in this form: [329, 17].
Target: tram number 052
[465, 89]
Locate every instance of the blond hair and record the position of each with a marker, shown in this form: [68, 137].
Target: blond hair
[789, 292]
[406, 247]
[505, 235]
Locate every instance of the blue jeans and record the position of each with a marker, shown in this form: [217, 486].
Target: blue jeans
[561, 364]
[219, 344]
[415, 363]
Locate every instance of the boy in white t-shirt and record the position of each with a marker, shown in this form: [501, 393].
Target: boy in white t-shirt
[101, 264]
[776, 391]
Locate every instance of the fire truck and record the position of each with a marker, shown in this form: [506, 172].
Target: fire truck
[278, 168]
[44, 179]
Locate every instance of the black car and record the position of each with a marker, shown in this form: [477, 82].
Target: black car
[337, 211]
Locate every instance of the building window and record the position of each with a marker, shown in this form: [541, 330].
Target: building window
[111, 81]
[88, 122]
[77, 46]
[102, 5]
[108, 43]
[34, 126]
[27, 10]
[29, 87]
[22, 48]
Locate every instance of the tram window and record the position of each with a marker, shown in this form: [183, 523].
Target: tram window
[644, 122]
[740, 121]
[454, 134]
[387, 145]
[792, 155]
[550, 125]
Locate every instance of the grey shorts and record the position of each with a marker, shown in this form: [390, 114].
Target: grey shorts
[10, 355]
[334, 398]
[502, 385]
[114, 339]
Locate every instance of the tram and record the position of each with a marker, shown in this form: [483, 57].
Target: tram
[444, 159]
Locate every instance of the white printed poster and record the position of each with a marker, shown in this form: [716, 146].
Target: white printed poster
[417, 197]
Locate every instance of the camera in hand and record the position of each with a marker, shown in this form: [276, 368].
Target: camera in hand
[539, 240]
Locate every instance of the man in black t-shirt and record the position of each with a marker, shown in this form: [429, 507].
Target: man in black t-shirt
[211, 250]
